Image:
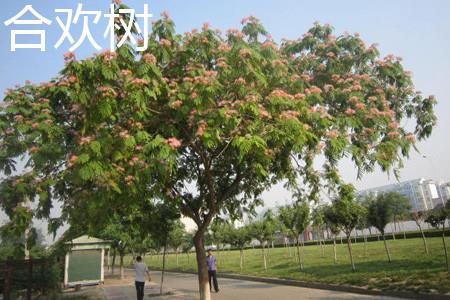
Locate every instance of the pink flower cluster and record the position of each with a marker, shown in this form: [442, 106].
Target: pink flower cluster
[224, 47]
[176, 104]
[269, 45]
[313, 90]
[126, 72]
[221, 62]
[281, 94]
[289, 115]
[350, 112]
[69, 57]
[72, 160]
[235, 32]
[165, 43]
[107, 91]
[85, 140]
[202, 128]
[249, 19]
[124, 134]
[332, 134]
[410, 137]
[149, 58]
[139, 81]
[108, 55]
[18, 118]
[173, 142]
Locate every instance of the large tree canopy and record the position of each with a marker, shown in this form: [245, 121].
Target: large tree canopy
[206, 121]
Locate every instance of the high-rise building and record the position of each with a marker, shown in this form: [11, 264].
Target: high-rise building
[424, 194]
[444, 191]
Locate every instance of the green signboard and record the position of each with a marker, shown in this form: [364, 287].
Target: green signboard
[84, 265]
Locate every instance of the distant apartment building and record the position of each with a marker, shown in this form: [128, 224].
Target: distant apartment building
[444, 191]
[424, 194]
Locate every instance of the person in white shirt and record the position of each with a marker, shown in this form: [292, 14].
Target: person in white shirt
[140, 268]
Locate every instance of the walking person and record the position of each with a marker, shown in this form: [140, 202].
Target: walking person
[140, 268]
[212, 270]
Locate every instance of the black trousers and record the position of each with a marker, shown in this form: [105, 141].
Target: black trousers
[139, 289]
[213, 275]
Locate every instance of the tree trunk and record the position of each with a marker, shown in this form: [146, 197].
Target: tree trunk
[365, 245]
[386, 247]
[241, 264]
[203, 280]
[122, 276]
[264, 256]
[163, 269]
[176, 256]
[393, 232]
[113, 261]
[445, 247]
[299, 257]
[322, 245]
[423, 238]
[370, 230]
[334, 249]
[349, 244]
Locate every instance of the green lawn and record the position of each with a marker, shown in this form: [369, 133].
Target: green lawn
[411, 269]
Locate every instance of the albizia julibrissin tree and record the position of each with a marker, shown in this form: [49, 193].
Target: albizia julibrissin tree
[207, 121]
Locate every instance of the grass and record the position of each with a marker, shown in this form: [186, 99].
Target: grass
[410, 270]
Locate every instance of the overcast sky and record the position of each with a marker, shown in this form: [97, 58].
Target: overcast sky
[417, 31]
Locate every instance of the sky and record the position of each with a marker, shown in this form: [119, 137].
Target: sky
[417, 31]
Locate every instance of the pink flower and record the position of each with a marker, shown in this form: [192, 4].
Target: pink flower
[85, 140]
[393, 125]
[327, 87]
[224, 47]
[69, 56]
[350, 111]
[331, 134]
[410, 138]
[125, 72]
[360, 105]
[299, 96]
[240, 81]
[205, 26]
[124, 134]
[18, 118]
[34, 149]
[117, 2]
[72, 160]
[72, 79]
[176, 104]
[264, 113]
[173, 142]
[164, 42]
[149, 58]
[269, 44]
[139, 81]
[165, 14]
[202, 128]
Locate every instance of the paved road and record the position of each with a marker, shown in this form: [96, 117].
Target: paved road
[186, 284]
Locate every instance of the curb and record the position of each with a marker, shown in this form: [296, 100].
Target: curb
[325, 286]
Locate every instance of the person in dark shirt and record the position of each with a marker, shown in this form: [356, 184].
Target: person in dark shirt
[212, 270]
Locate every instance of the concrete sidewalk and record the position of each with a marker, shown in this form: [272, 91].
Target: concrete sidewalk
[185, 286]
